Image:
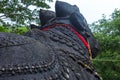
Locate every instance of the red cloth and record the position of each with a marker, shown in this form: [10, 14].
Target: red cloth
[75, 32]
[72, 29]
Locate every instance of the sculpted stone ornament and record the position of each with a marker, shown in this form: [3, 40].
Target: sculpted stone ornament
[61, 49]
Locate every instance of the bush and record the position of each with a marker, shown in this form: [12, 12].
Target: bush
[108, 65]
[17, 30]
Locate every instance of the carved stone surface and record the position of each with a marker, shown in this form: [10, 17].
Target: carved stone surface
[45, 16]
[21, 55]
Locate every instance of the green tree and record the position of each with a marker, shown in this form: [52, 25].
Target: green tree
[107, 31]
[18, 11]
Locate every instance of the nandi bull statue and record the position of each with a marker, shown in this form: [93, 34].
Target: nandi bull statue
[61, 49]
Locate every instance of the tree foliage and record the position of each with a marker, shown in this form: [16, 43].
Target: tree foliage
[18, 12]
[17, 30]
[107, 31]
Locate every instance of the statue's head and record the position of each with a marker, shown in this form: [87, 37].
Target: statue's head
[76, 19]
[79, 23]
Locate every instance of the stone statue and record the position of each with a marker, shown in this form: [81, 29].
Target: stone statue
[61, 49]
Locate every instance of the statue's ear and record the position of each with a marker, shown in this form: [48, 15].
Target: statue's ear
[45, 16]
[63, 9]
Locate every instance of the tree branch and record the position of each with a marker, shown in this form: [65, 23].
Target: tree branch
[2, 16]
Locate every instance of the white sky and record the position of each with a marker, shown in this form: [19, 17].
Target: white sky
[93, 9]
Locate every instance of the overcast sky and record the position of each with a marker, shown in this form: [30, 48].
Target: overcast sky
[93, 9]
